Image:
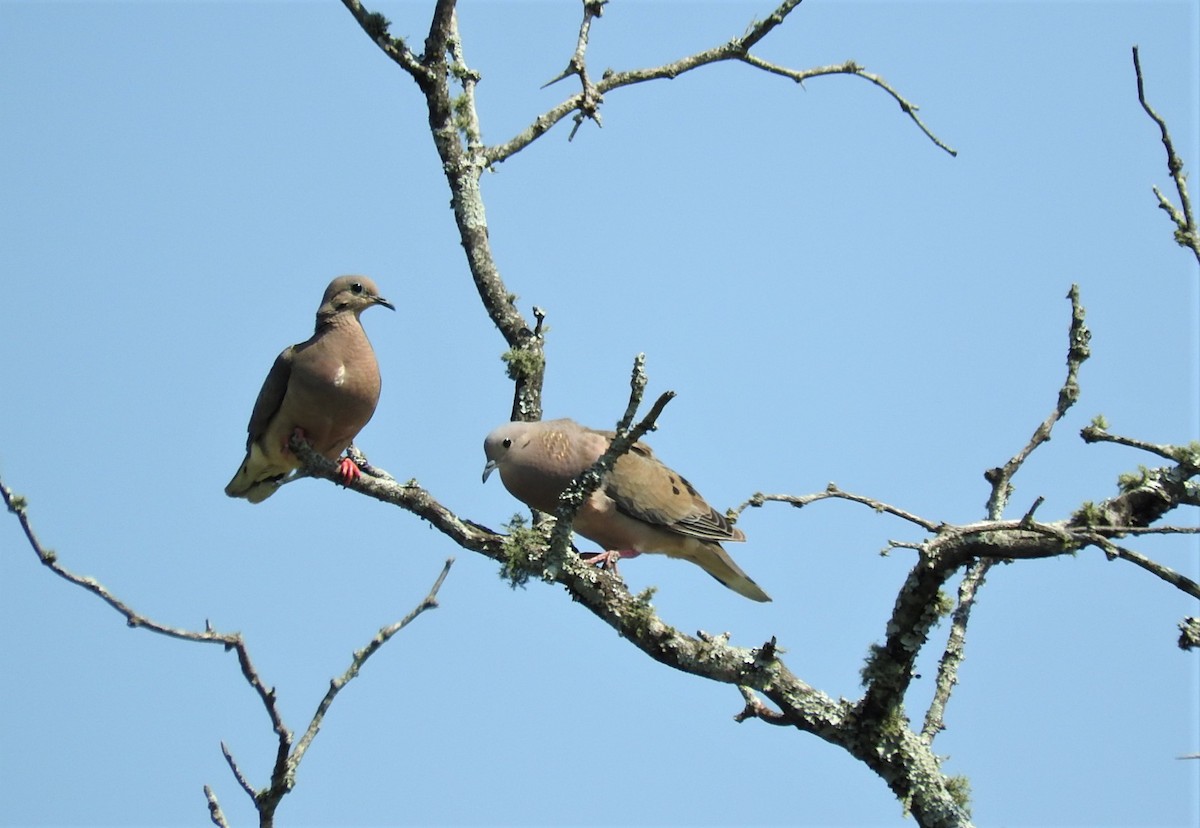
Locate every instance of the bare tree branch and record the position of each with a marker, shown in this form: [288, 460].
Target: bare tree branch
[586, 102]
[1181, 582]
[919, 606]
[1185, 222]
[953, 655]
[921, 603]
[1097, 432]
[360, 658]
[572, 498]
[468, 115]
[589, 106]
[442, 28]
[237, 773]
[874, 729]
[851, 67]
[1144, 498]
[832, 491]
[18, 506]
[214, 809]
[230, 641]
[409, 496]
[1077, 352]
[376, 27]
[267, 800]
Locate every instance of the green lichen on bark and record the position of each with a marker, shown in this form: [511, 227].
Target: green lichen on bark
[523, 363]
[959, 788]
[523, 547]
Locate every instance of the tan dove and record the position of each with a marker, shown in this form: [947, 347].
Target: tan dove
[640, 506]
[324, 388]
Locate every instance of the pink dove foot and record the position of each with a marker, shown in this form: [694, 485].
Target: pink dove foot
[349, 471]
[608, 559]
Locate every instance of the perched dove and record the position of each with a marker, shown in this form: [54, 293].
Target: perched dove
[641, 505]
[325, 389]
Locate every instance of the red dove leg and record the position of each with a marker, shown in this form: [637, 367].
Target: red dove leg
[640, 504]
[349, 471]
[608, 560]
[325, 388]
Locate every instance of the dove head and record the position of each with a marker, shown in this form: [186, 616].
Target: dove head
[538, 460]
[500, 442]
[350, 294]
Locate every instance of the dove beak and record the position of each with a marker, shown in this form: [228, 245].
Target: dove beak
[379, 300]
[488, 469]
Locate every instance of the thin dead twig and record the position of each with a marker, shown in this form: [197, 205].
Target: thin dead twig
[572, 498]
[360, 658]
[833, 492]
[1078, 350]
[1185, 222]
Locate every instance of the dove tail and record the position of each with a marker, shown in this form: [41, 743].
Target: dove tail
[244, 483]
[713, 559]
[255, 492]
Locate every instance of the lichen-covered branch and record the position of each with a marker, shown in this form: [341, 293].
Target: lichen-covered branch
[376, 27]
[438, 72]
[214, 809]
[1187, 456]
[875, 728]
[877, 722]
[1189, 633]
[572, 498]
[955, 651]
[1186, 234]
[1078, 351]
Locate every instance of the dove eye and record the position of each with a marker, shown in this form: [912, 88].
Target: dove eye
[507, 442]
[356, 287]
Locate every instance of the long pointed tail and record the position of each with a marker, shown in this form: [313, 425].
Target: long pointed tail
[713, 559]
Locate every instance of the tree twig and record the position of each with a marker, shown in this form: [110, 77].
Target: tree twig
[214, 809]
[736, 49]
[955, 652]
[1097, 432]
[572, 498]
[286, 759]
[851, 67]
[238, 776]
[376, 27]
[590, 99]
[360, 658]
[755, 709]
[1185, 222]
[1165, 573]
[832, 491]
[1078, 351]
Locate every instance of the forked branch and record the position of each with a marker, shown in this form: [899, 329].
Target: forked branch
[287, 760]
[1183, 218]
[585, 104]
[1078, 351]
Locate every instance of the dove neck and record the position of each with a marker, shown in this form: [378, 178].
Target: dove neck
[328, 320]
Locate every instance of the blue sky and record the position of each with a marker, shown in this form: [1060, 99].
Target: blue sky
[831, 296]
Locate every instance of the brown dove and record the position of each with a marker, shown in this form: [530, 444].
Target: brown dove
[640, 506]
[324, 390]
